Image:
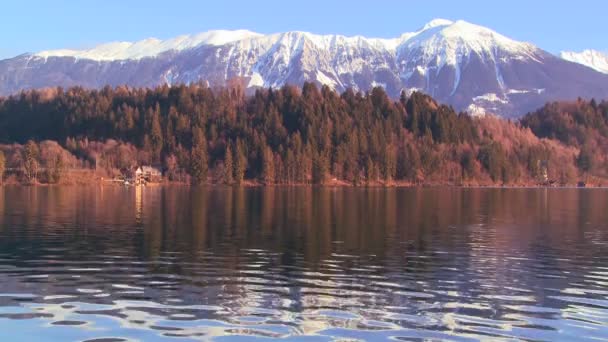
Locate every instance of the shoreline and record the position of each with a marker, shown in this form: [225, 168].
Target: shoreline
[328, 186]
[87, 178]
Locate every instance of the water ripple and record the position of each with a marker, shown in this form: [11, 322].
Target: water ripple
[184, 264]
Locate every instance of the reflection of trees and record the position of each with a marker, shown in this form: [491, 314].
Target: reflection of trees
[199, 229]
[149, 216]
[303, 249]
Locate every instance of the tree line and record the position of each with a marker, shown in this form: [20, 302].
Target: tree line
[295, 135]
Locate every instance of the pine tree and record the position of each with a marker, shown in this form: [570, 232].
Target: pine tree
[370, 170]
[268, 170]
[198, 159]
[320, 168]
[156, 136]
[584, 160]
[290, 167]
[228, 167]
[389, 164]
[240, 163]
[493, 158]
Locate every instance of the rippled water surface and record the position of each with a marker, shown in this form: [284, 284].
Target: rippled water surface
[174, 263]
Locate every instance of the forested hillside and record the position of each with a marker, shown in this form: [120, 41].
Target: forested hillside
[303, 135]
[583, 124]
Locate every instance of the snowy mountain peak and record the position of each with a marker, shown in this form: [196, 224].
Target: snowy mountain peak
[459, 32]
[449, 43]
[151, 47]
[436, 22]
[478, 37]
[591, 58]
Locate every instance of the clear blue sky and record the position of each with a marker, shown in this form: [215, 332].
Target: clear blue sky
[34, 25]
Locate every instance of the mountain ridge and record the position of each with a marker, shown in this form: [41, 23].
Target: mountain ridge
[594, 59]
[471, 67]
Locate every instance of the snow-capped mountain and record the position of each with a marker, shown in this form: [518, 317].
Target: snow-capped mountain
[468, 66]
[151, 47]
[591, 58]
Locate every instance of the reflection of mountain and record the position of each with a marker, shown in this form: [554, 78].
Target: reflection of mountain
[285, 261]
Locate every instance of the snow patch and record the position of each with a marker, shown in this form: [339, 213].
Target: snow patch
[456, 78]
[490, 97]
[410, 91]
[324, 79]
[256, 80]
[475, 110]
[169, 77]
[518, 91]
[499, 78]
[421, 70]
[525, 91]
[378, 84]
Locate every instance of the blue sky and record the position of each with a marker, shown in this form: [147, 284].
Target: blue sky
[34, 25]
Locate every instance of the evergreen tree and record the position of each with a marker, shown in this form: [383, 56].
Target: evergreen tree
[268, 170]
[492, 157]
[198, 159]
[319, 168]
[228, 167]
[584, 160]
[156, 137]
[370, 174]
[389, 164]
[467, 164]
[290, 167]
[240, 163]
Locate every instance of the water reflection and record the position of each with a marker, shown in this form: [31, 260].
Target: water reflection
[166, 262]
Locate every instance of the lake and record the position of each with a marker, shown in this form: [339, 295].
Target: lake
[177, 263]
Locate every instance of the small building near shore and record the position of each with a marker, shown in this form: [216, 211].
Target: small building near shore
[147, 174]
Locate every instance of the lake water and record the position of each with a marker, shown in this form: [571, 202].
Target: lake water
[175, 263]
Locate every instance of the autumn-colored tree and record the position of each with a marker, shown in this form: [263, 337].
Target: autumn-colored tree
[30, 161]
[240, 163]
[55, 169]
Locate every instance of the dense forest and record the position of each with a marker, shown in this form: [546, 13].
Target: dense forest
[296, 135]
[582, 124]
